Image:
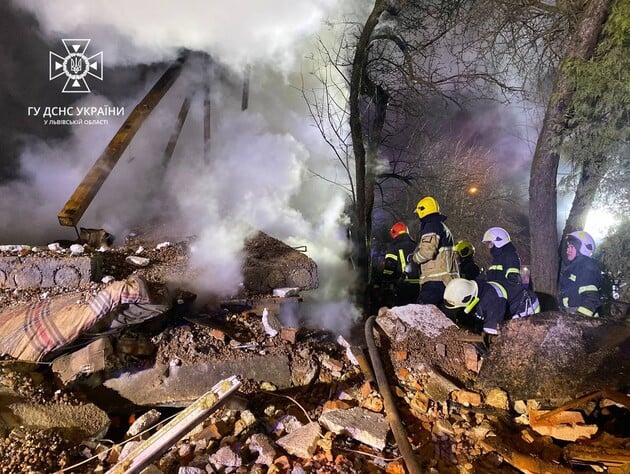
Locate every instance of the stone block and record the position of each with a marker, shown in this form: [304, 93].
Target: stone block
[361, 424]
[33, 271]
[271, 264]
[401, 322]
[177, 385]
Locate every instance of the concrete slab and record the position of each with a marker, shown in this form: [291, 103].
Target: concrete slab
[554, 355]
[179, 385]
[33, 271]
[401, 321]
[271, 264]
[363, 425]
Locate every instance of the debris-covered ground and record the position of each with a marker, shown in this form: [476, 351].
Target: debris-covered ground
[307, 403]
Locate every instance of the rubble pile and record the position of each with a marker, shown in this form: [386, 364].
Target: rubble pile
[307, 401]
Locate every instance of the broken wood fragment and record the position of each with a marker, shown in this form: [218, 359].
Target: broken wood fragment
[609, 457]
[172, 432]
[172, 142]
[566, 425]
[523, 462]
[614, 395]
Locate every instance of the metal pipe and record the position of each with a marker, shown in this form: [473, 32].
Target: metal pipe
[395, 423]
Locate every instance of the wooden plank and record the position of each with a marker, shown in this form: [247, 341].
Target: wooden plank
[523, 462]
[186, 420]
[613, 395]
[597, 454]
[96, 176]
[181, 118]
[566, 425]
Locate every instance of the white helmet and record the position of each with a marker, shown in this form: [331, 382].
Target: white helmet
[461, 293]
[497, 235]
[586, 242]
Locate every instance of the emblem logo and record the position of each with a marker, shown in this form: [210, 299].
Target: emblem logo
[76, 66]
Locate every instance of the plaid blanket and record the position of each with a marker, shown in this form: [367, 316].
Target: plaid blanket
[30, 331]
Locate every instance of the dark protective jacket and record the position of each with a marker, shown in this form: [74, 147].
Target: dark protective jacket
[434, 252]
[579, 286]
[500, 301]
[506, 265]
[468, 268]
[396, 259]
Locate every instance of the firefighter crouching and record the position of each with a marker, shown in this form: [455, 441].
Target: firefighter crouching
[490, 302]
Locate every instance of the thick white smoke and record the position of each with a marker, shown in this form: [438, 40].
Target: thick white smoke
[257, 176]
[237, 32]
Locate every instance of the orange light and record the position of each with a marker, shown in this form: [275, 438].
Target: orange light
[473, 190]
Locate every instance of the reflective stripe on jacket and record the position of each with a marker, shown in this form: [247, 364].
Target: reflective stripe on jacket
[578, 286]
[396, 259]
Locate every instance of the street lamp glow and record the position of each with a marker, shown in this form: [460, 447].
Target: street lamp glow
[473, 190]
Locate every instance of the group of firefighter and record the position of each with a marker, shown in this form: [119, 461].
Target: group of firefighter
[435, 270]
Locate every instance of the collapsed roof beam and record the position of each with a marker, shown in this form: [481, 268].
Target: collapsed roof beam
[96, 176]
[245, 97]
[181, 118]
[206, 113]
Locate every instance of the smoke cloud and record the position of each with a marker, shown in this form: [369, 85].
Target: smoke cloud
[258, 176]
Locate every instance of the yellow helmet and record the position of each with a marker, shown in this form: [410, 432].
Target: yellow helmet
[427, 205]
[464, 248]
[461, 293]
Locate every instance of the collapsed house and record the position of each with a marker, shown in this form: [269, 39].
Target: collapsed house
[549, 396]
[108, 367]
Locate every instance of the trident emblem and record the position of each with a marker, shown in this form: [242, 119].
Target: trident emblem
[76, 66]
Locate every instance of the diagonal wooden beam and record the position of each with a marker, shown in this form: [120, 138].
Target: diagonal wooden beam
[181, 118]
[151, 449]
[96, 176]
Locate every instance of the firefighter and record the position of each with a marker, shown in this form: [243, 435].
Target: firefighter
[434, 252]
[465, 253]
[491, 301]
[506, 264]
[580, 278]
[402, 276]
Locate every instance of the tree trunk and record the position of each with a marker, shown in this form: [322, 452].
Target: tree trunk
[363, 201]
[593, 170]
[542, 184]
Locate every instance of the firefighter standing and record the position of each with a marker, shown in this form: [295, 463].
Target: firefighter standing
[492, 302]
[581, 278]
[402, 276]
[434, 252]
[506, 264]
[465, 253]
